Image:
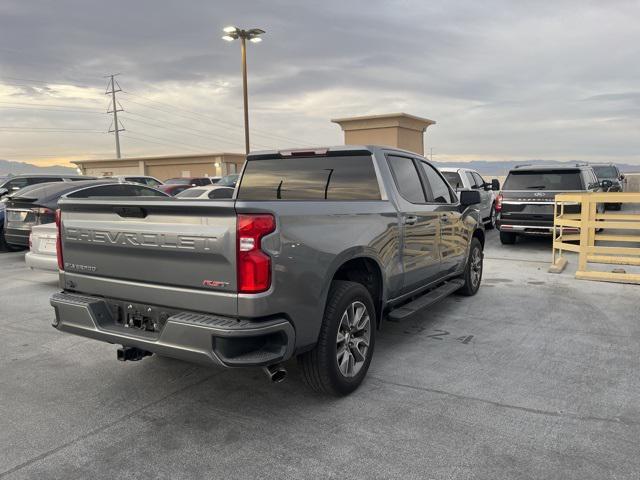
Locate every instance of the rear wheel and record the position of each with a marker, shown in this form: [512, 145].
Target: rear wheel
[473, 271]
[507, 238]
[340, 360]
[491, 224]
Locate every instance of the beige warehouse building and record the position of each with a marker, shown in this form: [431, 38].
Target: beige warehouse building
[394, 129]
[163, 167]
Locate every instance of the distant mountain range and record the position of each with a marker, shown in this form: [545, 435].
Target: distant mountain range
[501, 168]
[8, 167]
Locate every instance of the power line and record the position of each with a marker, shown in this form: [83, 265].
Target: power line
[135, 137]
[62, 110]
[188, 130]
[48, 105]
[115, 110]
[223, 123]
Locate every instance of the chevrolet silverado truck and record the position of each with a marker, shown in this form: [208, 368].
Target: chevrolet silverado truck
[314, 250]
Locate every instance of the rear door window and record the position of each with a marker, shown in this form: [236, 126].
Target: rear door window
[310, 178]
[221, 193]
[544, 180]
[191, 193]
[407, 179]
[36, 180]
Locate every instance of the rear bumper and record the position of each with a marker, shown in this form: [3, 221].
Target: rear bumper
[190, 336]
[15, 236]
[41, 262]
[532, 228]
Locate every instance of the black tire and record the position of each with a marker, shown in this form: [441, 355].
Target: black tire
[491, 224]
[320, 369]
[472, 275]
[508, 238]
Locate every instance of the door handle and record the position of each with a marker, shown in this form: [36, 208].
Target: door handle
[411, 220]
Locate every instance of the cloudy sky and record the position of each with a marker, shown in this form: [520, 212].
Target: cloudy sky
[504, 80]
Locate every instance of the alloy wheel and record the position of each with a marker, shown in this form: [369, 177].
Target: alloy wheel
[353, 338]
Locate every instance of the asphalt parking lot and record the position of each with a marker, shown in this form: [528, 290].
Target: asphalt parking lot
[534, 377]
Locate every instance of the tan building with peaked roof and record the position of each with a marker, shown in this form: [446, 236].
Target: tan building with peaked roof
[168, 166]
[399, 130]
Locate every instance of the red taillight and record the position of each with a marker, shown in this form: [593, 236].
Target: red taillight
[59, 239]
[499, 202]
[254, 266]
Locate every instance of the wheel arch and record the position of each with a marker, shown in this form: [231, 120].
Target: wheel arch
[363, 268]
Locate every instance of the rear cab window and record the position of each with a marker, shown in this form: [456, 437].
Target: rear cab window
[544, 180]
[341, 177]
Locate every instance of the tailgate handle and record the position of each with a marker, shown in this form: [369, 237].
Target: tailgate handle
[130, 212]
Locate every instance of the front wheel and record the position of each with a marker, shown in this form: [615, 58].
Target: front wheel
[473, 271]
[340, 360]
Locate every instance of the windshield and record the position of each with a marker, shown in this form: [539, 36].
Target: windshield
[191, 193]
[606, 172]
[453, 178]
[544, 180]
[178, 181]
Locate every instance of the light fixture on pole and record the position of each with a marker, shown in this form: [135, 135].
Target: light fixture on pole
[253, 35]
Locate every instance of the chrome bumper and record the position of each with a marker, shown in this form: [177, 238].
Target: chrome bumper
[189, 336]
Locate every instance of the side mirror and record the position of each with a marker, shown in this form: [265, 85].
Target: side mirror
[606, 184]
[469, 197]
[3, 191]
[495, 185]
[622, 176]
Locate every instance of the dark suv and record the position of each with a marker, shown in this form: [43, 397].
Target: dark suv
[611, 179]
[16, 182]
[525, 204]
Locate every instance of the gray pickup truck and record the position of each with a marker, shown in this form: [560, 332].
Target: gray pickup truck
[314, 250]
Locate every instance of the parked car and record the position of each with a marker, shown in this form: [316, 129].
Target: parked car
[174, 189]
[36, 205]
[16, 182]
[316, 249]
[141, 179]
[467, 179]
[191, 181]
[208, 192]
[42, 248]
[525, 203]
[611, 180]
[229, 180]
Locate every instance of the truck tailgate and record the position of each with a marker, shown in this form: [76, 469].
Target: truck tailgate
[151, 248]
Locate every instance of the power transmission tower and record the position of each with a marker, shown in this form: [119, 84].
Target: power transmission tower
[115, 108]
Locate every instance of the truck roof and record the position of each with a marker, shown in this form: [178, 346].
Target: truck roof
[316, 150]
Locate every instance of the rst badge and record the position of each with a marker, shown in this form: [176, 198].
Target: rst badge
[214, 284]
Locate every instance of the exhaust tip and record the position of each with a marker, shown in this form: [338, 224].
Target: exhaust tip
[276, 373]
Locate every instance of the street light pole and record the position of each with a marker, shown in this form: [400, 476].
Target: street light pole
[235, 33]
[245, 94]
